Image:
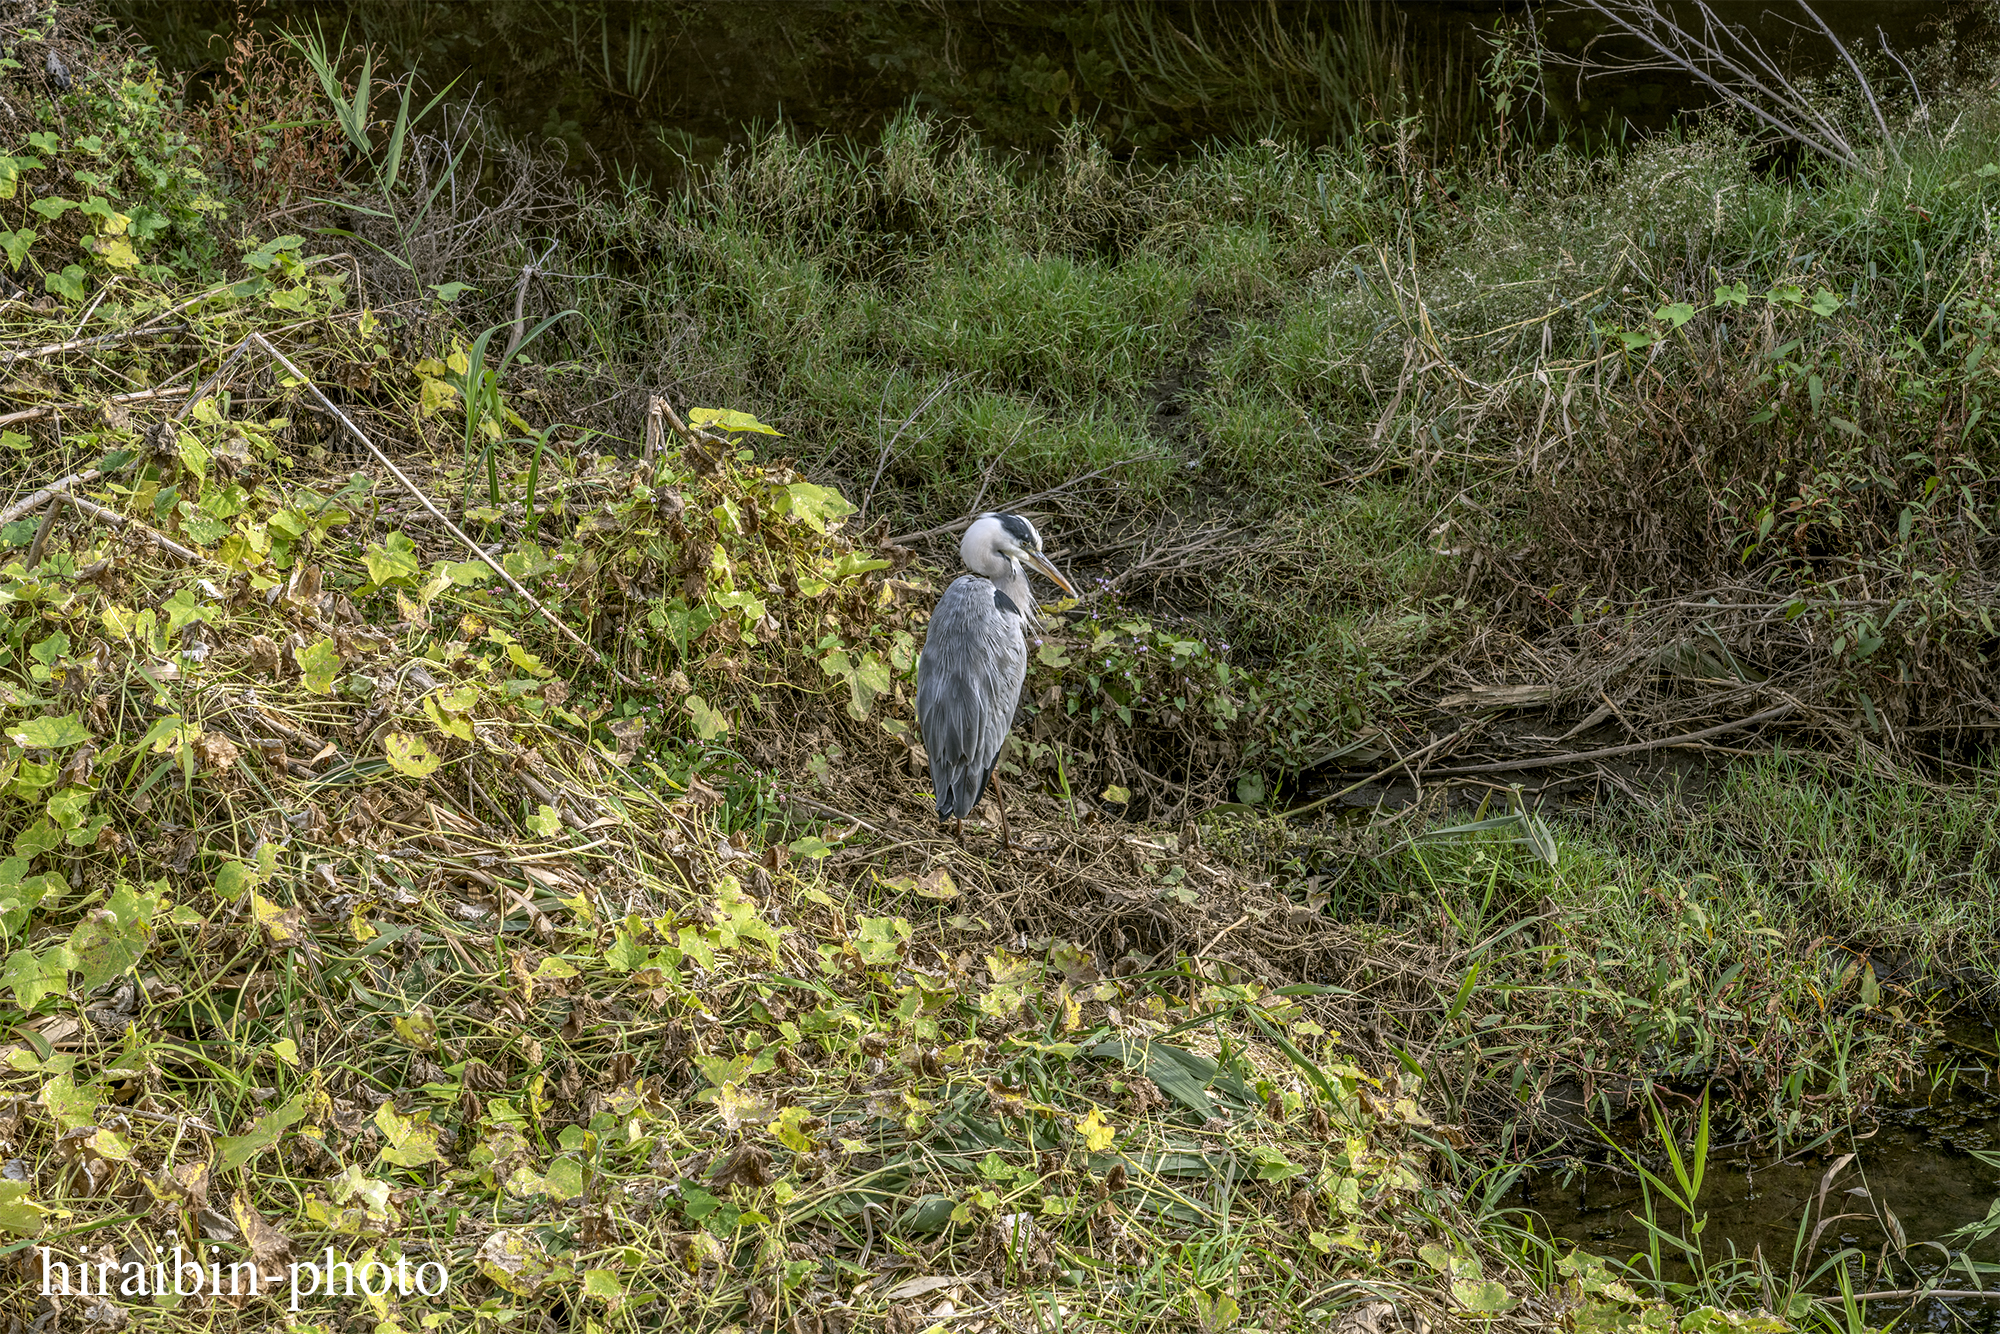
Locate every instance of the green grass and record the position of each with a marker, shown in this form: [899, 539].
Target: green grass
[1799, 930]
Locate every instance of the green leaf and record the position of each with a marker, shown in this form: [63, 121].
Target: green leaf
[19, 1214]
[16, 244]
[1483, 1296]
[111, 939]
[410, 1141]
[31, 976]
[544, 823]
[236, 1150]
[603, 1284]
[183, 607]
[395, 558]
[72, 282]
[49, 733]
[815, 506]
[318, 664]
[881, 939]
[727, 420]
[708, 724]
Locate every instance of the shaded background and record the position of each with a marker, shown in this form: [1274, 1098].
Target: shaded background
[653, 84]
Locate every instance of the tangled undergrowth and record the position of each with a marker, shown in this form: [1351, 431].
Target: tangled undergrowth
[454, 838]
[335, 924]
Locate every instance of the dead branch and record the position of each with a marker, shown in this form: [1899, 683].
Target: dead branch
[48, 493]
[48, 409]
[117, 520]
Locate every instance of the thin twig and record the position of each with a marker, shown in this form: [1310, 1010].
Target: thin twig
[888, 450]
[1403, 763]
[528, 271]
[41, 541]
[77, 344]
[956, 524]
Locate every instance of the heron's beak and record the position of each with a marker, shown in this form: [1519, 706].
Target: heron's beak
[1040, 564]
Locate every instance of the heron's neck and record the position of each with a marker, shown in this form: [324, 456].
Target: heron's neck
[1011, 580]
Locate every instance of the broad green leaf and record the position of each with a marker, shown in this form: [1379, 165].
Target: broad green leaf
[815, 506]
[19, 1214]
[49, 733]
[108, 941]
[31, 976]
[236, 1150]
[603, 1284]
[727, 420]
[708, 724]
[881, 939]
[394, 558]
[410, 1141]
[318, 664]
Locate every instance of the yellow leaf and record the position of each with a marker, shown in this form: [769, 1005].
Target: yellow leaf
[1096, 1131]
[936, 885]
[408, 755]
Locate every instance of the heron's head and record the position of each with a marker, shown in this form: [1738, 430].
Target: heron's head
[998, 543]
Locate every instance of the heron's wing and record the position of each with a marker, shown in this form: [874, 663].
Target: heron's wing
[969, 683]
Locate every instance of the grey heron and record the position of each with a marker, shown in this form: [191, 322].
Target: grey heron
[975, 662]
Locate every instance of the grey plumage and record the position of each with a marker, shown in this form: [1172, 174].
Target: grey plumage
[975, 659]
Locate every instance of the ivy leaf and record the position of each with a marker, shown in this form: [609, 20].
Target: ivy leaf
[318, 664]
[708, 724]
[411, 1141]
[726, 419]
[16, 244]
[107, 942]
[236, 1150]
[881, 939]
[394, 558]
[814, 506]
[19, 1214]
[49, 733]
[603, 1284]
[408, 755]
[31, 976]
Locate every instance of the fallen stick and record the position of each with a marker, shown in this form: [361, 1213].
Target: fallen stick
[1017, 506]
[46, 494]
[1377, 777]
[29, 414]
[76, 344]
[1609, 752]
[117, 520]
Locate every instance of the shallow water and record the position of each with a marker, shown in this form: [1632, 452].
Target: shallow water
[1915, 1163]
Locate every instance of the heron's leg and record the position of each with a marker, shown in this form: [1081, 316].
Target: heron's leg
[1006, 838]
